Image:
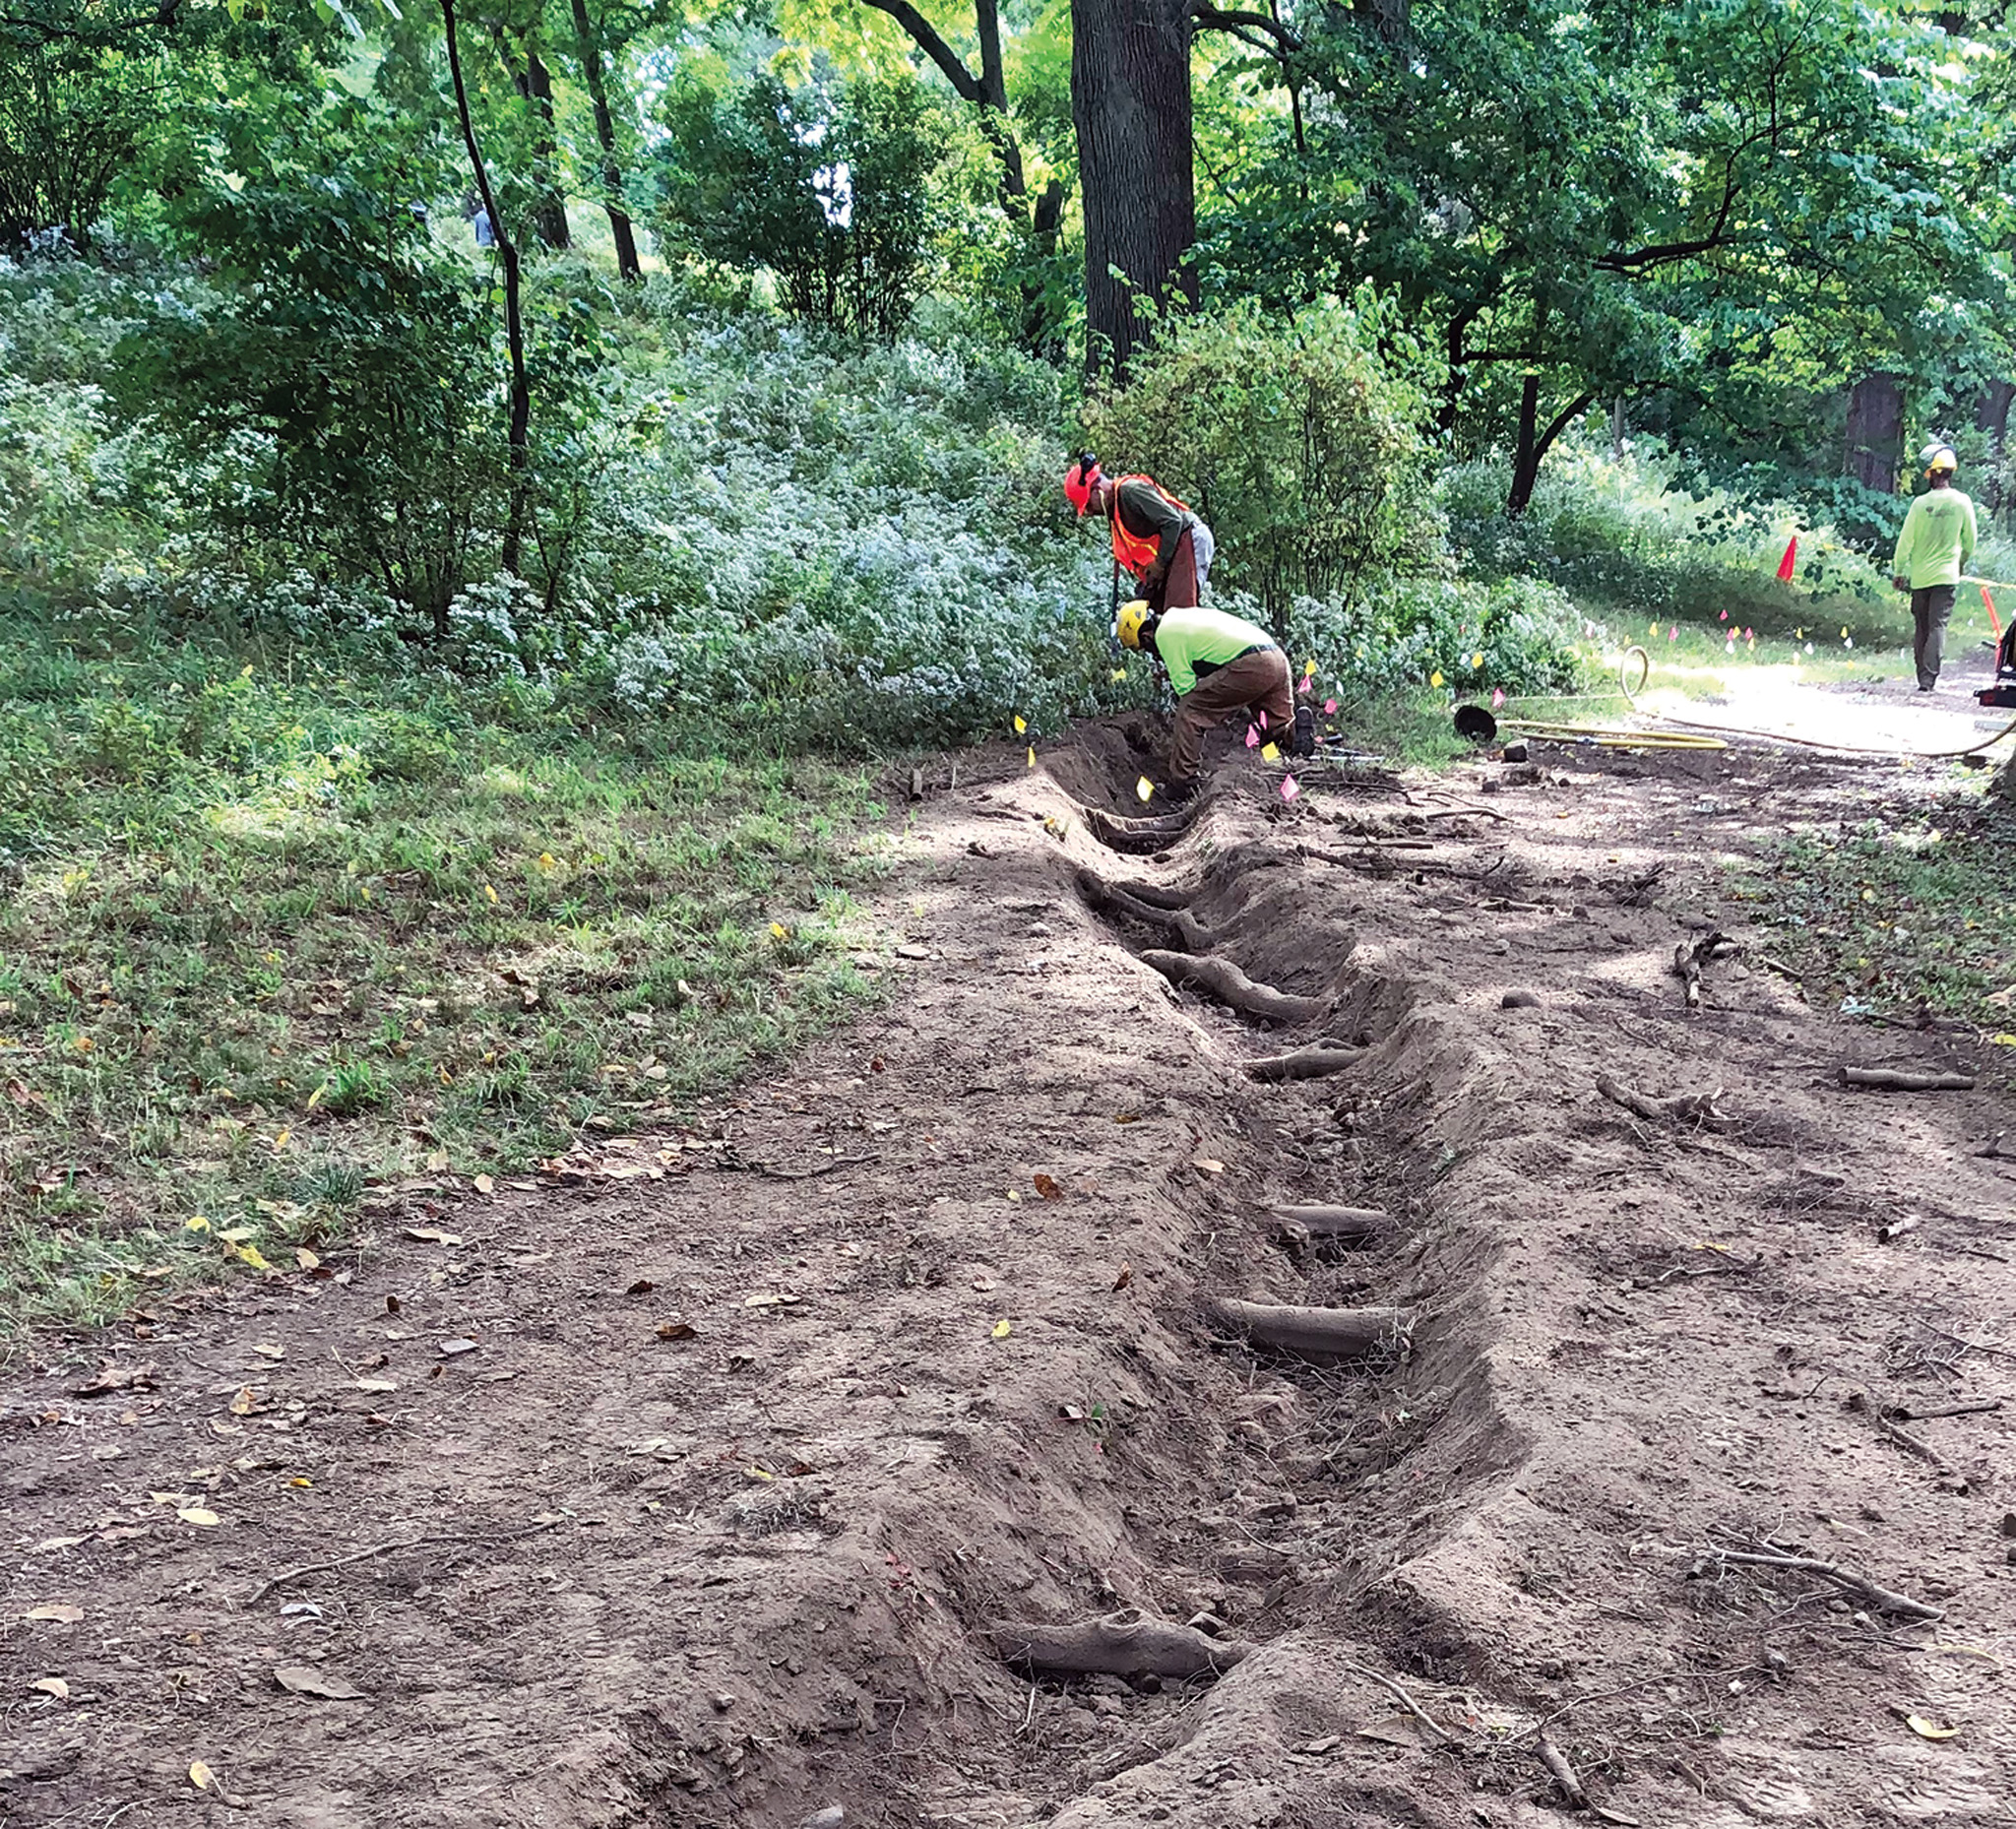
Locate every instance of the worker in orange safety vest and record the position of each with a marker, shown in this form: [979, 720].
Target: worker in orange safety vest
[1166, 547]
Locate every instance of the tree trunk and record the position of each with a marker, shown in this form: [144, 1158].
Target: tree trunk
[1875, 433]
[534, 85]
[519, 437]
[1130, 101]
[589, 48]
[1536, 441]
[1991, 416]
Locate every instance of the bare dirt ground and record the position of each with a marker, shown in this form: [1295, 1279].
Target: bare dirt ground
[764, 1427]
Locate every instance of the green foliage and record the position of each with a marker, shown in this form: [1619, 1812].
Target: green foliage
[1291, 437]
[1619, 537]
[831, 188]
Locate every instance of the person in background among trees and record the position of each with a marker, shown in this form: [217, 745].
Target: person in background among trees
[1155, 538]
[1932, 549]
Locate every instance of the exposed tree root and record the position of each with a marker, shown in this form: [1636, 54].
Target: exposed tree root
[1140, 837]
[1691, 1108]
[1305, 1063]
[1689, 956]
[1229, 984]
[1313, 1333]
[1343, 1225]
[1174, 923]
[1899, 1080]
[1123, 1644]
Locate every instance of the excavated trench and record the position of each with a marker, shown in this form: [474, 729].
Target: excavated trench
[1205, 1351]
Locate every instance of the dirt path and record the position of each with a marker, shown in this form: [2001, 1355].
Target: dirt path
[764, 1427]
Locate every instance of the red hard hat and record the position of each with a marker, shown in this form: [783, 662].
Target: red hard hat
[1078, 481]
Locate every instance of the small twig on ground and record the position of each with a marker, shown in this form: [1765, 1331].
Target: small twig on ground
[285, 1576]
[1405, 1701]
[1910, 1413]
[1904, 1439]
[1691, 1107]
[1883, 1600]
[750, 1163]
[1556, 1762]
[1897, 1080]
[1972, 1346]
[1774, 965]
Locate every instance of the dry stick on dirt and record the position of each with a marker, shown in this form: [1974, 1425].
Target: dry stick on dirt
[1556, 1762]
[1312, 1333]
[1691, 1108]
[1229, 984]
[1123, 1644]
[1910, 1413]
[1177, 924]
[1304, 1063]
[1883, 1600]
[1400, 1696]
[266, 1587]
[1899, 1080]
[1905, 1440]
[1348, 1225]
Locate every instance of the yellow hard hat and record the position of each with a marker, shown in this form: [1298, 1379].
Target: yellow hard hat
[1132, 619]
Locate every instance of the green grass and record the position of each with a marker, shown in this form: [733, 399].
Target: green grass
[271, 933]
[1912, 911]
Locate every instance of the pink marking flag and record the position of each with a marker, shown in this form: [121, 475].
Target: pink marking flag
[1252, 737]
[1290, 788]
[1497, 697]
[1304, 688]
[1329, 707]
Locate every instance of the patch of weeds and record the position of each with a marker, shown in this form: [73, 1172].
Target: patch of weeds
[367, 926]
[1908, 912]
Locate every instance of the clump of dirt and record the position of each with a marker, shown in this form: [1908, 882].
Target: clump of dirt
[772, 1426]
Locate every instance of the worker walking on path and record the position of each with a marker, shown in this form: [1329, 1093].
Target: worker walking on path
[1155, 538]
[1218, 665]
[1933, 551]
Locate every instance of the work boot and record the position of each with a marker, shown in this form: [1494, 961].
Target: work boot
[1304, 743]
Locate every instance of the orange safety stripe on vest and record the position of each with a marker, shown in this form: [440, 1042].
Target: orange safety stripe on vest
[1137, 554]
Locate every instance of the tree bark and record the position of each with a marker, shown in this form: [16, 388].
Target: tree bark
[1536, 441]
[520, 434]
[1130, 101]
[534, 85]
[589, 48]
[1875, 433]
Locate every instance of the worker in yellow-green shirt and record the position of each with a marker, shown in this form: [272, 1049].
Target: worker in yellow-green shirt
[1218, 665]
[1932, 551]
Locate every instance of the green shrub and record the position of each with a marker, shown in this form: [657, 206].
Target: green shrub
[1291, 437]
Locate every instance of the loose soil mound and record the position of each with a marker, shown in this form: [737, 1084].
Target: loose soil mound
[785, 1444]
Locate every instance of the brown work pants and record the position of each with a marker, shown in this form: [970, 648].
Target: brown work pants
[1255, 683]
[1180, 587]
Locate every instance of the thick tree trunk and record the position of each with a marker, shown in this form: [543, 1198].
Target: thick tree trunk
[1130, 99]
[534, 85]
[589, 48]
[1991, 416]
[1875, 433]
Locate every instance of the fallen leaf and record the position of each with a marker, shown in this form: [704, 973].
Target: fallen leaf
[200, 1776]
[196, 1224]
[642, 1287]
[1125, 1277]
[776, 931]
[1049, 1188]
[52, 1687]
[109, 1377]
[486, 1184]
[300, 1610]
[1002, 1329]
[305, 1679]
[1931, 1728]
[235, 1234]
[60, 1613]
[270, 1350]
[245, 1403]
[1209, 1164]
[198, 1515]
[676, 1330]
[428, 1235]
[912, 952]
[455, 1349]
[248, 1254]
[305, 1259]
[375, 1384]
[59, 1542]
